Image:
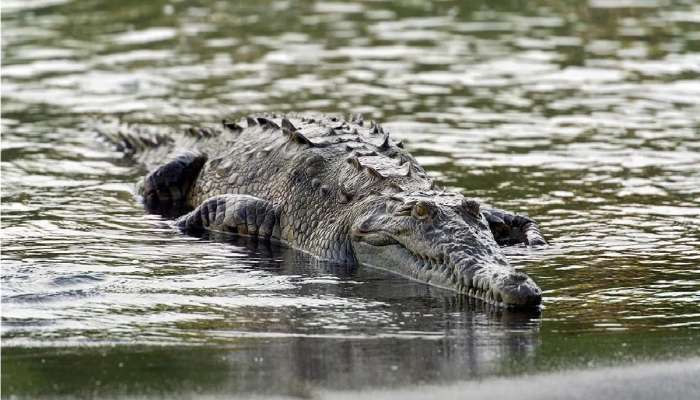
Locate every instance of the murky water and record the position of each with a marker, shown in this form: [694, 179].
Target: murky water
[584, 115]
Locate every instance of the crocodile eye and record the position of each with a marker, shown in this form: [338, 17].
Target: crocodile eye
[403, 210]
[420, 211]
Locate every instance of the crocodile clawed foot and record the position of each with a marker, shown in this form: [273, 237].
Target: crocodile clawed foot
[165, 189]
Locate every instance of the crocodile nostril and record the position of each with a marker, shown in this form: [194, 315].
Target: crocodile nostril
[518, 277]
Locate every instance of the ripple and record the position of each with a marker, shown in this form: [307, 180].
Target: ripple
[40, 68]
[154, 34]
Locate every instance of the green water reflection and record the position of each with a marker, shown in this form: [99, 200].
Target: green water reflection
[298, 366]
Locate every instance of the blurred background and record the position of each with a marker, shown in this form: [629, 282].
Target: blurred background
[583, 114]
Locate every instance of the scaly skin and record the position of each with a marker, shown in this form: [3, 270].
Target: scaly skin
[342, 191]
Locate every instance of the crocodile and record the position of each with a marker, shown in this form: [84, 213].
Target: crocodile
[341, 189]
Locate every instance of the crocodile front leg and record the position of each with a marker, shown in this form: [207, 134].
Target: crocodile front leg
[234, 213]
[509, 229]
[165, 189]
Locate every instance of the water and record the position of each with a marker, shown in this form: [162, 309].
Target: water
[585, 116]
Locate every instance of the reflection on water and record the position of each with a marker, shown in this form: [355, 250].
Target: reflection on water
[584, 115]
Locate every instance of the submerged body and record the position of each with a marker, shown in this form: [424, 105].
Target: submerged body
[340, 190]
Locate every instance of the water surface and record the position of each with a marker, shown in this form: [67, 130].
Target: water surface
[586, 116]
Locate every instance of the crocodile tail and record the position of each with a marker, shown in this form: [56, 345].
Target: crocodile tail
[132, 139]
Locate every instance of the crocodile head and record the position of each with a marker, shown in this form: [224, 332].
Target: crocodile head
[442, 239]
